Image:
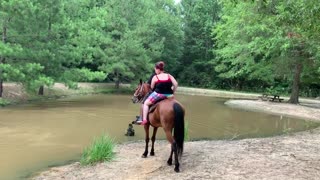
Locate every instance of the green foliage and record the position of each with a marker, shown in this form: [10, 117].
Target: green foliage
[242, 45]
[72, 76]
[277, 90]
[186, 131]
[78, 40]
[141, 33]
[198, 19]
[29, 74]
[4, 102]
[287, 131]
[255, 38]
[101, 150]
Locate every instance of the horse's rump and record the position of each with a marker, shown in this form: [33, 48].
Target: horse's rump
[163, 113]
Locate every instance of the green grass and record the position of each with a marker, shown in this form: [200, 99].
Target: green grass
[186, 131]
[101, 150]
[4, 102]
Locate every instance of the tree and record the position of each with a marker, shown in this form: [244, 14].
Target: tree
[41, 36]
[198, 19]
[255, 37]
[141, 33]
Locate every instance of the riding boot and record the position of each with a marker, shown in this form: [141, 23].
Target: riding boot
[138, 118]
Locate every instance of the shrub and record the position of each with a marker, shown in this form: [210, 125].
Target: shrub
[100, 150]
[4, 102]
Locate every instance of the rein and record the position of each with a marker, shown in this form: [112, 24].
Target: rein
[140, 93]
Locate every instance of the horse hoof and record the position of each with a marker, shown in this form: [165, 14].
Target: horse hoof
[176, 170]
[169, 162]
[152, 154]
[144, 156]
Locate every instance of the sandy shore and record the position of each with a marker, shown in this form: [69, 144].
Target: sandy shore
[292, 156]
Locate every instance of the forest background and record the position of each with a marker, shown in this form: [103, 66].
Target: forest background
[264, 46]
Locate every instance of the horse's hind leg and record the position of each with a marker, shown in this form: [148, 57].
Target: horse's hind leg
[173, 150]
[153, 139]
[169, 162]
[146, 129]
[176, 158]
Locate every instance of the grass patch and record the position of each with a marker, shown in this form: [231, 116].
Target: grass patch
[186, 131]
[4, 102]
[101, 150]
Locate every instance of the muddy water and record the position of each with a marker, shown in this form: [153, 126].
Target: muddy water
[42, 134]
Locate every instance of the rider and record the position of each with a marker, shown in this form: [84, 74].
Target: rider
[139, 118]
[164, 86]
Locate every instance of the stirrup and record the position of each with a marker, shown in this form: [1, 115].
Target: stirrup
[140, 122]
[137, 121]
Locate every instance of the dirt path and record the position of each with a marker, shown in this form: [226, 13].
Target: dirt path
[293, 156]
[284, 157]
[310, 112]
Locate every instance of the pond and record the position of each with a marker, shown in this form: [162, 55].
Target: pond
[48, 133]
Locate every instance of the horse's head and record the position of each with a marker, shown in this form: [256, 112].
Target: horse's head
[141, 91]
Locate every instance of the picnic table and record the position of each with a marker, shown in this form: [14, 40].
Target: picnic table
[273, 98]
[264, 97]
[276, 98]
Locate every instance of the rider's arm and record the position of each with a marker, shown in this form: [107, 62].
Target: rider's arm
[150, 78]
[174, 82]
[153, 82]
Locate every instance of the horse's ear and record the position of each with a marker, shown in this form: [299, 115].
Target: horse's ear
[140, 81]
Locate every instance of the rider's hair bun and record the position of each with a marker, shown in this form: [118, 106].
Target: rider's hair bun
[160, 65]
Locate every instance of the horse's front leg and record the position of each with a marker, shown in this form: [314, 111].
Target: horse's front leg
[153, 139]
[146, 129]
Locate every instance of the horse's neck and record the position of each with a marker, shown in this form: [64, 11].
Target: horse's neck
[147, 87]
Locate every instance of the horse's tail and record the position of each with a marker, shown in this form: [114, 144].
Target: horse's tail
[178, 127]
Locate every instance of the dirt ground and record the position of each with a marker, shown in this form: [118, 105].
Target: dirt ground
[292, 156]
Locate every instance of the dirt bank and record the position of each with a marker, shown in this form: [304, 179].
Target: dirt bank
[307, 112]
[292, 156]
[15, 92]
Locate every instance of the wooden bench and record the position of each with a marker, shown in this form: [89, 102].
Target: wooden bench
[276, 98]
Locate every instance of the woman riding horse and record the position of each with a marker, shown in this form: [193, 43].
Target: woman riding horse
[168, 114]
[164, 86]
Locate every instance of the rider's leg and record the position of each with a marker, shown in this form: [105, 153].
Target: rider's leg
[139, 118]
[145, 111]
[141, 110]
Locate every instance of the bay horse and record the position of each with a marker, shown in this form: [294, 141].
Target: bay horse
[168, 114]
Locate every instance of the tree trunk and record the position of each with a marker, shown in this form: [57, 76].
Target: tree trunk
[117, 84]
[294, 98]
[117, 81]
[41, 90]
[1, 87]
[4, 37]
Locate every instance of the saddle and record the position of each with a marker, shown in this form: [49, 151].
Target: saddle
[151, 110]
[153, 107]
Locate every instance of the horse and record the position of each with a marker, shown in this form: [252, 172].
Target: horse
[168, 114]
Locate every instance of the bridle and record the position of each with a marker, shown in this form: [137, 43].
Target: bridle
[139, 96]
